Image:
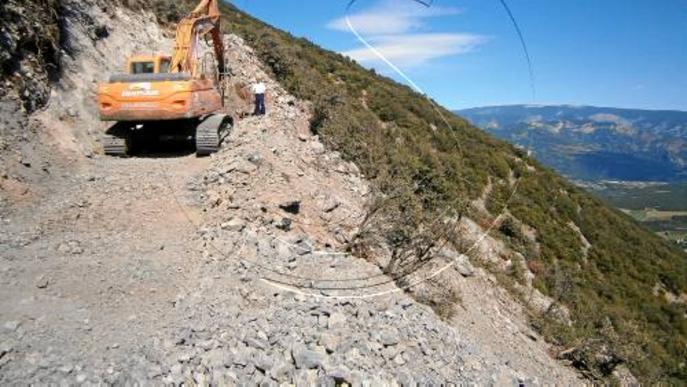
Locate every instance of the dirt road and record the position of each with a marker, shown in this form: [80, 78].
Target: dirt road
[109, 247]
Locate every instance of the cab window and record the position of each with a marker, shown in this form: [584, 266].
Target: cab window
[142, 67]
[164, 65]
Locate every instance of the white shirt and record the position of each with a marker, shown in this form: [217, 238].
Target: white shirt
[259, 88]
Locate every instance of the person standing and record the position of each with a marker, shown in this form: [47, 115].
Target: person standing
[259, 89]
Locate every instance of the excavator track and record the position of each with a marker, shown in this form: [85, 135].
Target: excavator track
[116, 142]
[210, 132]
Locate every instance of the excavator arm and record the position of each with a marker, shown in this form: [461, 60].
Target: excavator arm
[203, 20]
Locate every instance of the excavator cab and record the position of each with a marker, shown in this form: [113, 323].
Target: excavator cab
[148, 64]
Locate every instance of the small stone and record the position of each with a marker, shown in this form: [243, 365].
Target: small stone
[63, 248]
[184, 357]
[264, 362]
[235, 225]
[5, 348]
[217, 358]
[331, 205]
[341, 375]
[337, 320]
[388, 337]
[317, 147]
[42, 282]
[281, 372]
[176, 370]
[329, 342]
[70, 247]
[307, 359]
[464, 267]
[404, 379]
[12, 325]
[284, 224]
[255, 343]
[206, 344]
[183, 337]
[199, 327]
[405, 303]
[461, 261]
[323, 320]
[241, 358]
[80, 378]
[154, 371]
[303, 247]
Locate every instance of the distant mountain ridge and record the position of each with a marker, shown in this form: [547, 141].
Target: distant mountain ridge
[594, 143]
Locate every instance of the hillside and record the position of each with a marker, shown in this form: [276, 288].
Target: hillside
[618, 317]
[195, 270]
[166, 268]
[593, 143]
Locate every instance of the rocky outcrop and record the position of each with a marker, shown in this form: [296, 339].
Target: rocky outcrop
[29, 50]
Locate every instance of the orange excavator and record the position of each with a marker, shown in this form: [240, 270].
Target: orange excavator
[170, 97]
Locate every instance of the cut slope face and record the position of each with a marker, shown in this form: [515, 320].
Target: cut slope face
[184, 270]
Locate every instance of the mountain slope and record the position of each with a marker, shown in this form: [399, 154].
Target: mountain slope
[398, 140]
[616, 287]
[185, 270]
[592, 143]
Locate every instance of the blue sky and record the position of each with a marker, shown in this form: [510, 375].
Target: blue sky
[465, 53]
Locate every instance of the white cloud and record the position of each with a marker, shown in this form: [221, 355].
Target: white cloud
[395, 29]
[391, 17]
[416, 49]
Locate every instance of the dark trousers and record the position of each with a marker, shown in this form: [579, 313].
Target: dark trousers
[259, 104]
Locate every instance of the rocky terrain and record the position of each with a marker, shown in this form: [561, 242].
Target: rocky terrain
[168, 268]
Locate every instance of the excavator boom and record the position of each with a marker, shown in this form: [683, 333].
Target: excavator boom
[202, 21]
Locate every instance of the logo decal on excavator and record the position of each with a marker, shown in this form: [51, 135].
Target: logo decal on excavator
[143, 89]
[140, 86]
